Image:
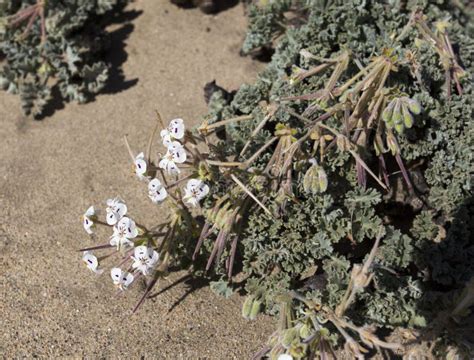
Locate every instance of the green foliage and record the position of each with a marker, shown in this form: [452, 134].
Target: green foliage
[54, 44]
[305, 251]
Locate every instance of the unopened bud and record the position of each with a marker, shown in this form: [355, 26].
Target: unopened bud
[414, 106]
[407, 117]
[397, 112]
[392, 144]
[342, 143]
[255, 310]
[247, 307]
[323, 180]
[387, 113]
[305, 331]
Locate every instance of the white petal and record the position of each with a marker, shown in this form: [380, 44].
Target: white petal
[90, 211]
[128, 225]
[87, 223]
[140, 167]
[169, 166]
[127, 279]
[285, 357]
[111, 217]
[173, 168]
[140, 251]
[164, 164]
[154, 184]
[116, 274]
[120, 209]
[164, 133]
[114, 241]
[192, 201]
[157, 195]
[179, 155]
[193, 183]
[174, 145]
[203, 191]
[188, 192]
[90, 260]
[176, 128]
[161, 194]
[154, 257]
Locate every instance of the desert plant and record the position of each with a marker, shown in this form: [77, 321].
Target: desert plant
[337, 185]
[52, 43]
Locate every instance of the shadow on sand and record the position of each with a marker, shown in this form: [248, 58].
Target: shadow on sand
[114, 55]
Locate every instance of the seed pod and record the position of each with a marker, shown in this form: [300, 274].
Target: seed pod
[397, 112]
[414, 106]
[247, 307]
[387, 113]
[322, 180]
[311, 180]
[342, 143]
[255, 310]
[407, 117]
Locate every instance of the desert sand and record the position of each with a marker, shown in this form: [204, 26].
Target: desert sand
[51, 170]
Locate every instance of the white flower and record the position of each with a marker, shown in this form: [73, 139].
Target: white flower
[91, 262]
[140, 166]
[156, 191]
[285, 357]
[121, 278]
[175, 155]
[195, 191]
[116, 209]
[175, 130]
[87, 219]
[145, 259]
[124, 231]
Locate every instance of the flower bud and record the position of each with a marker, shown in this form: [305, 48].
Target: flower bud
[315, 180]
[310, 180]
[246, 307]
[255, 310]
[399, 128]
[342, 143]
[388, 111]
[305, 331]
[323, 180]
[397, 112]
[414, 106]
[407, 117]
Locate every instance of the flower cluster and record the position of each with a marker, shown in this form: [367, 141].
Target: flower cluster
[175, 155]
[125, 238]
[137, 248]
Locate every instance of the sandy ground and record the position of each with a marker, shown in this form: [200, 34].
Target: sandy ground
[52, 170]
